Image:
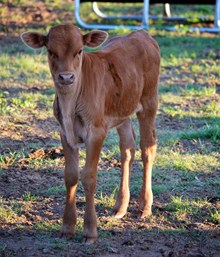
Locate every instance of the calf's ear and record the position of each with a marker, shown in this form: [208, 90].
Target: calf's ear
[95, 38]
[33, 40]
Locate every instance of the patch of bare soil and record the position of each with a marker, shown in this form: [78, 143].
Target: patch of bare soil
[15, 16]
[24, 236]
[122, 241]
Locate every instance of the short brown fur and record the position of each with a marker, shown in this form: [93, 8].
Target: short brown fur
[94, 93]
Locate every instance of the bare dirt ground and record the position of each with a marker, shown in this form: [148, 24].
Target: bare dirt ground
[22, 236]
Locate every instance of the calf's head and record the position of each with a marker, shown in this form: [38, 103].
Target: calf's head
[64, 44]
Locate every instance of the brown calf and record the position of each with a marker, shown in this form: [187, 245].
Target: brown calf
[94, 93]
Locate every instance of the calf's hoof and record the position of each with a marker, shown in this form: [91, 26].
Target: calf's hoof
[66, 232]
[89, 235]
[144, 214]
[89, 240]
[120, 208]
[119, 214]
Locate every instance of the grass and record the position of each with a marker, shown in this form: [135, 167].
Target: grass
[27, 196]
[209, 132]
[11, 211]
[186, 171]
[188, 162]
[192, 209]
[215, 216]
[53, 190]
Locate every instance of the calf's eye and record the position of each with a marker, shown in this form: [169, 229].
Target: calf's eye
[80, 51]
[50, 53]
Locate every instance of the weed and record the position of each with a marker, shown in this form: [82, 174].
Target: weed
[187, 162]
[4, 107]
[160, 189]
[215, 216]
[107, 201]
[27, 196]
[53, 190]
[46, 226]
[10, 211]
[59, 244]
[11, 158]
[186, 209]
[208, 131]
[197, 90]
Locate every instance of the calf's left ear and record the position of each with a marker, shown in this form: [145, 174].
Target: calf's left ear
[95, 38]
[33, 40]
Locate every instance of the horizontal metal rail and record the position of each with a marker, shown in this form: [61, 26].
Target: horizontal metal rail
[145, 17]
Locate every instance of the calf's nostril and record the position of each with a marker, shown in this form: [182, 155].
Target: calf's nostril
[61, 77]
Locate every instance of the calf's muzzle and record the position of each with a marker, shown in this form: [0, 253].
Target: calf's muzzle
[66, 78]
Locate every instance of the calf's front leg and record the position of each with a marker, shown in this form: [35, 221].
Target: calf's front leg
[88, 178]
[71, 180]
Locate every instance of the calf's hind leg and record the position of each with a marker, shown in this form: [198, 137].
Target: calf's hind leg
[127, 148]
[148, 147]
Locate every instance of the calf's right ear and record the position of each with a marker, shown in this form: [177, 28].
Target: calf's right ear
[95, 38]
[33, 40]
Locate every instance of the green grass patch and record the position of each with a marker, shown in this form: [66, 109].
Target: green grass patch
[11, 157]
[28, 196]
[11, 211]
[215, 216]
[106, 200]
[46, 226]
[188, 162]
[209, 132]
[53, 190]
[192, 209]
